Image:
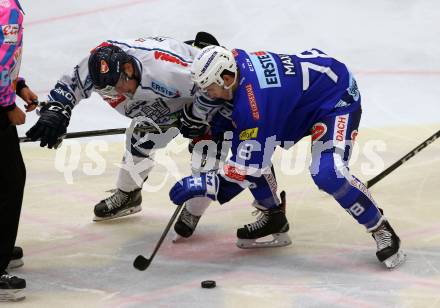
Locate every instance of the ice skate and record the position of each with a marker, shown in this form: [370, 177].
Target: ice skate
[16, 258]
[11, 288]
[270, 223]
[119, 204]
[185, 225]
[388, 245]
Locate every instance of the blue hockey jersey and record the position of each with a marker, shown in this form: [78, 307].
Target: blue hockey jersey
[280, 97]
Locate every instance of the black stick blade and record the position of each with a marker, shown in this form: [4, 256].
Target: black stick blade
[141, 263]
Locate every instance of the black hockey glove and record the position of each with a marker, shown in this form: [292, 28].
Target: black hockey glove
[202, 40]
[52, 124]
[191, 126]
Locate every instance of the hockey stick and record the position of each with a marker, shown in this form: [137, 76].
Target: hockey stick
[90, 133]
[102, 132]
[141, 263]
[94, 133]
[405, 158]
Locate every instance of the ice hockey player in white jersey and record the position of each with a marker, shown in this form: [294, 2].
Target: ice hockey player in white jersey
[147, 77]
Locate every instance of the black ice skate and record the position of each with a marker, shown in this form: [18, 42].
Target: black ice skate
[185, 225]
[16, 258]
[119, 204]
[11, 287]
[271, 222]
[388, 244]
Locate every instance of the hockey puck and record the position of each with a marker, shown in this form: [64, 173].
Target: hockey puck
[208, 284]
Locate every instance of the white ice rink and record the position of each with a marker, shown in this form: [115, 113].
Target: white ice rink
[393, 49]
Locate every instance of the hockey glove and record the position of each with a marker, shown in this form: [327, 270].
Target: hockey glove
[219, 125]
[52, 124]
[193, 142]
[191, 126]
[205, 185]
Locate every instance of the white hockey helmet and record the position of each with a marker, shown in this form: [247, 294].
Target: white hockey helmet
[210, 63]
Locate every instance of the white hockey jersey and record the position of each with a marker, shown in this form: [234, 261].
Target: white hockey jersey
[165, 86]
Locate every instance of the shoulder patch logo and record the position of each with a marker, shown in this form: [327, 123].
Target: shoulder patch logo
[163, 56]
[250, 133]
[10, 33]
[266, 69]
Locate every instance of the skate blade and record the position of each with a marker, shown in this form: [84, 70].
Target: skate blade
[126, 212]
[395, 260]
[15, 263]
[278, 240]
[12, 295]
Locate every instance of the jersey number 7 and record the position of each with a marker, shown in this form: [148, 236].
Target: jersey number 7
[307, 66]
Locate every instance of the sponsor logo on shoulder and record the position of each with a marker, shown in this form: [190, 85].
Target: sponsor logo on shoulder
[164, 90]
[250, 133]
[10, 33]
[288, 66]
[266, 69]
[163, 56]
[353, 89]
[252, 102]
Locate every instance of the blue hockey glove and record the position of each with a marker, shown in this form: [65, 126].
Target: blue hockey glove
[52, 124]
[205, 185]
[219, 125]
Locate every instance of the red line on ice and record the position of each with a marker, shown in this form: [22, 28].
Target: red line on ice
[83, 13]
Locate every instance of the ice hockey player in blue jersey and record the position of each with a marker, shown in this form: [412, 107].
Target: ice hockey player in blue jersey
[277, 100]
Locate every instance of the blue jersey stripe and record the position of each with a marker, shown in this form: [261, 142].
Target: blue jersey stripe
[151, 49]
[13, 18]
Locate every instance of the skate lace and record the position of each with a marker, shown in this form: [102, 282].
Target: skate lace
[189, 219]
[6, 276]
[383, 239]
[262, 219]
[116, 200]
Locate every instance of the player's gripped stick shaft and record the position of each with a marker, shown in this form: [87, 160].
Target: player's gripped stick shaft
[141, 263]
[102, 132]
[400, 162]
[95, 133]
